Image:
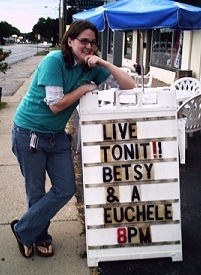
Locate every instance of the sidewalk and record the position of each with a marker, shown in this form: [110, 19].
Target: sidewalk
[66, 226]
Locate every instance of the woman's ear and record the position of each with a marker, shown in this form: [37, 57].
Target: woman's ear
[69, 42]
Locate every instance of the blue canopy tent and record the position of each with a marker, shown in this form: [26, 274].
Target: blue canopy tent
[143, 14]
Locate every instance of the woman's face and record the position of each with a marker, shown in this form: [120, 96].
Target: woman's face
[79, 50]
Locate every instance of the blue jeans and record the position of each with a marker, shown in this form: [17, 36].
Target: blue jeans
[54, 157]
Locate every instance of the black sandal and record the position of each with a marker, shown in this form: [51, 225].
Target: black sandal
[20, 245]
[45, 245]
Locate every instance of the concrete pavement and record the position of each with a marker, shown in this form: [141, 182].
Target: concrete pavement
[66, 227]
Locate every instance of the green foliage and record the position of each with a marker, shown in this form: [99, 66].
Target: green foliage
[7, 30]
[74, 4]
[3, 55]
[48, 29]
[190, 2]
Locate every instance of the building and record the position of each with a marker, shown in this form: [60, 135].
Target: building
[169, 54]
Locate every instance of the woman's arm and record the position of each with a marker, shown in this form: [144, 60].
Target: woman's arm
[125, 81]
[70, 98]
[123, 78]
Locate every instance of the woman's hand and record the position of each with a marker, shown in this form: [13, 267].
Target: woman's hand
[94, 61]
[124, 80]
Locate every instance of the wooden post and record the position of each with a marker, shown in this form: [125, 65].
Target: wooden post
[0, 93]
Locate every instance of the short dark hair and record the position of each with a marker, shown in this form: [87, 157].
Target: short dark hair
[73, 32]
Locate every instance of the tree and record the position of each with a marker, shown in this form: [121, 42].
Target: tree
[48, 29]
[75, 6]
[3, 66]
[190, 2]
[7, 30]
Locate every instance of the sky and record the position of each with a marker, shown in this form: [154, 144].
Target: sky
[24, 14]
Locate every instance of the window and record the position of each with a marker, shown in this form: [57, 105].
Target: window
[167, 48]
[110, 41]
[128, 45]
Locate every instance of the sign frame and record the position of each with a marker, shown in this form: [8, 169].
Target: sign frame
[132, 206]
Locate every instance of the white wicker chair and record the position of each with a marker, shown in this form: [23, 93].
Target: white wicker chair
[148, 78]
[187, 84]
[189, 121]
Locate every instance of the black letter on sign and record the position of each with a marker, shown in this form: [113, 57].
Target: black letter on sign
[107, 216]
[119, 211]
[168, 213]
[144, 145]
[129, 217]
[145, 238]
[132, 233]
[132, 130]
[105, 148]
[111, 197]
[107, 174]
[122, 130]
[117, 152]
[148, 168]
[135, 168]
[135, 194]
[105, 133]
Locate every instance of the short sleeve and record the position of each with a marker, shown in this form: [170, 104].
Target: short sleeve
[50, 72]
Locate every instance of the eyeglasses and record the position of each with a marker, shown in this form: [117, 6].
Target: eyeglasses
[85, 42]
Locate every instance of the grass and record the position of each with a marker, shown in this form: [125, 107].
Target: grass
[41, 53]
[3, 105]
[45, 52]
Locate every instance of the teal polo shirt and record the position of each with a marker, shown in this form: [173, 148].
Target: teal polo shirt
[33, 113]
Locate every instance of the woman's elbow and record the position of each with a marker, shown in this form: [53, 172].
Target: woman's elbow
[130, 85]
[54, 108]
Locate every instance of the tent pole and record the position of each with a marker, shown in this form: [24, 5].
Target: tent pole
[141, 58]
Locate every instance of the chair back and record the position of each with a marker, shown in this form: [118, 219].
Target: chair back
[148, 78]
[149, 83]
[148, 74]
[187, 84]
[191, 110]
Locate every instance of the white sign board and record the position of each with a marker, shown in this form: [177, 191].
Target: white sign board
[131, 179]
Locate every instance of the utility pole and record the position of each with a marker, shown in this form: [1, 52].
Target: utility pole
[64, 16]
[60, 23]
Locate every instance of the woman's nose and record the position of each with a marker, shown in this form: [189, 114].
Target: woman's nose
[89, 45]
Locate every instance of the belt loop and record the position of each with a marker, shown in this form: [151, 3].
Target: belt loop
[52, 136]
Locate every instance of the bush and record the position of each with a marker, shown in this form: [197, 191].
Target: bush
[3, 56]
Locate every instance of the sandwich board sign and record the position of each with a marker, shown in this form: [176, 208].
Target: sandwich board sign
[131, 179]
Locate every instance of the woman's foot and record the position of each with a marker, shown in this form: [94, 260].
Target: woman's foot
[45, 249]
[28, 251]
[24, 250]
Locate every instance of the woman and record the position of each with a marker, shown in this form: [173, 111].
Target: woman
[40, 142]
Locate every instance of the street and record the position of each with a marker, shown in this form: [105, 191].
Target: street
[23, 51]
[13, 79]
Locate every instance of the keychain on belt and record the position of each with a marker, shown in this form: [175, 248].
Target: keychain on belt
[34, 142]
